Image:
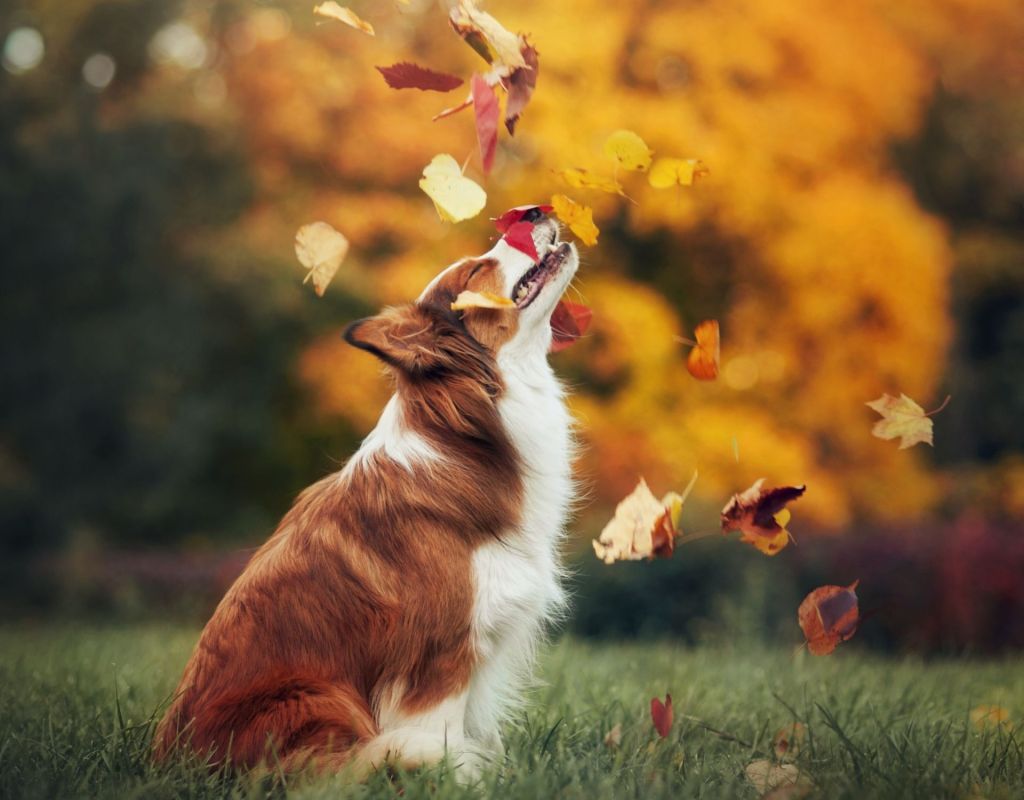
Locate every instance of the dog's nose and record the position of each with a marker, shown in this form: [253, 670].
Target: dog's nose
[533, 215]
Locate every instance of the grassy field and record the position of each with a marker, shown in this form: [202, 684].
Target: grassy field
[77, 704]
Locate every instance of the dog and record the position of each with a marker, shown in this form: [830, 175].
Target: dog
[393, 617]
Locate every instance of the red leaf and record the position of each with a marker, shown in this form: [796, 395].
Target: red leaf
[520, 236]
[405, 75]
[513, 215]
[661, 715]
[485, 104]
[520, 84]
[568, 323]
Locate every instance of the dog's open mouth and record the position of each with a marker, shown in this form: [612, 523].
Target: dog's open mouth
[529, 287]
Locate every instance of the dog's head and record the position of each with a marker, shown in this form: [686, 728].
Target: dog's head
[428, 339]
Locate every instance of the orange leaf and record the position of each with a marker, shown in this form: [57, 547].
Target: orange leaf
[702, 363]
[661, 715]
[789, 740]
[828, 616]
[761, 516]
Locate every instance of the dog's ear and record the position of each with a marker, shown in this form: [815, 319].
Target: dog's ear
[405, 337]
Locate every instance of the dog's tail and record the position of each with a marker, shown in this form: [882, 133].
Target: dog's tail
[288, 724]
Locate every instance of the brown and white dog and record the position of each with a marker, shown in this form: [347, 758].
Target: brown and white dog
[394, 614]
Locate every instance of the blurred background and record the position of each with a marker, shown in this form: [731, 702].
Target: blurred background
[169, 384]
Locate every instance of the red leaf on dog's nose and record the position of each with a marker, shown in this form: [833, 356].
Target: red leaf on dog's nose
[513, 215]
[520, 236]
[568, 323]
[661, 715]
[485, 104]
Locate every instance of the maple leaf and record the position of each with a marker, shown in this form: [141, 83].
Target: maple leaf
[578, 217]
[702, 362]
[332, 10]
[405, 75]
[485, 106]
[629, 150]
[828, 616]
[514, 215]
[668, 172]
[643, 526]
[519, 84]
[569, 322]
[661, 715]
[455, 196]
[990, 716]
[761, 516]
[489, 38]
[585, 179]
[320, 249]
[468, 299]
[903, 418]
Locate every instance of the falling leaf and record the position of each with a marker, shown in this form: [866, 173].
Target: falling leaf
[569, 322]
[643, 526]
[514, 215]
[777, 780]
[405, 75]
[488, 37]
[585, 179]
[904, 418]
[629, 150]
[485, 106]
[702, 363]
[447, 112]
[519, 84]
[320, 249]
[761, 516]
[579, 218]
[332, 10]
[613, 738]
[455, 196]
[468, 299]
[789, 740]
[668, 172]
[520, 236]
[990, 716]
[828, 616]
[661, 715]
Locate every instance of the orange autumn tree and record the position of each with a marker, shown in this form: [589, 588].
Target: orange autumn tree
[828, 279]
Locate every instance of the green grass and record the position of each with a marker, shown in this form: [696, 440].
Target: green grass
[76, 706]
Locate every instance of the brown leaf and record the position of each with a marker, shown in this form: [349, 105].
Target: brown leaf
[520, 84]
[702, 363]
[761, 516]
[828, 616]
[789, 740]
[613, 738]
[405, 75]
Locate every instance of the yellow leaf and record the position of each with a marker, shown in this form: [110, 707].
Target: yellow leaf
[903, 418]
[332, 10]
[579, 218]
[468, 299]
[668, 172]
[455, 196]
[585, 179]
[702, 363]
[504, 47]
[320, 249]
[990, 716]
[629, 150]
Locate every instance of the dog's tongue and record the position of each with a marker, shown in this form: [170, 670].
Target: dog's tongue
[569, 321]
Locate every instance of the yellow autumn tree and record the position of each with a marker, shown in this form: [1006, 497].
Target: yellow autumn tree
[829, 280]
